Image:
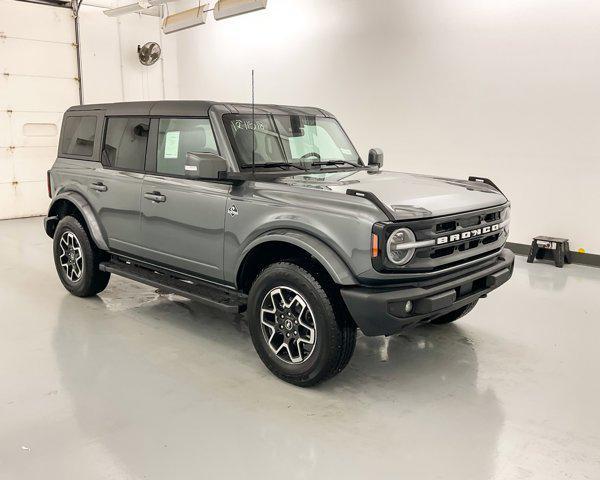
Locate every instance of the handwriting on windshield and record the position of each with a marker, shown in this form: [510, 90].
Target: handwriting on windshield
[246, 125]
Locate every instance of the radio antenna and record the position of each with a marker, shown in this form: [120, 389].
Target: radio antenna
[253, 127]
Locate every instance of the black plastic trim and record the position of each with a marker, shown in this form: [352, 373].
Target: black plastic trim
[486, 181]
[194, 289]
[375, 310]
[374, 200]
[152, 265]
[423, 230]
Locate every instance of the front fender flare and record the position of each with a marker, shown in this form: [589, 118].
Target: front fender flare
[325, 255]
[84, 207]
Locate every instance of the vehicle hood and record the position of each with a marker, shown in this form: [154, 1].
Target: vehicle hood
[407, 195]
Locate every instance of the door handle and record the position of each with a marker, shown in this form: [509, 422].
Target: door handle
[155, 197]
[99, 187]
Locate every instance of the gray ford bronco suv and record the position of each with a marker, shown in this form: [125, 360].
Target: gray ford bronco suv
[270, 209]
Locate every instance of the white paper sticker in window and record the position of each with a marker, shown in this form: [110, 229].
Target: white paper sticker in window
[345, 151]
[172, 144]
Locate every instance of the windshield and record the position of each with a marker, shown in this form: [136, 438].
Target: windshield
[300, 140]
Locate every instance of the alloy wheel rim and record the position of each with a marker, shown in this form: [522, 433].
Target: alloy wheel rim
[288, 325]
[71, 257]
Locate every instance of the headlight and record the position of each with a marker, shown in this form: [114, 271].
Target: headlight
[398, 247]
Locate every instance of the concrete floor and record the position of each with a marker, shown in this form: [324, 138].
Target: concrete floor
[133, 384]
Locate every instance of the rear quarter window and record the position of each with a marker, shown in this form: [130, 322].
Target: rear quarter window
[78, 136]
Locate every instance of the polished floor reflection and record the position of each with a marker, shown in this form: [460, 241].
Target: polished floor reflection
[133, 384]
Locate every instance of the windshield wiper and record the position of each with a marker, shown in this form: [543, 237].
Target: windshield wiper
[272, 165]
[334, 162]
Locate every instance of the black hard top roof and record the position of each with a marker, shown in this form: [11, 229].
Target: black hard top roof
[193, 108]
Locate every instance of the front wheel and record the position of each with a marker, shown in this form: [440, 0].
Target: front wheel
[300, 333]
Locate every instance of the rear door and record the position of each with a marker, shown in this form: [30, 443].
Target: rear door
[114, 189]
[182, 220]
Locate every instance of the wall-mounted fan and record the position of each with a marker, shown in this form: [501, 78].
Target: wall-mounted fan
[149, 53]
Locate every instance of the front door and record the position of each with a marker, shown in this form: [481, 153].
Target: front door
[183, 220]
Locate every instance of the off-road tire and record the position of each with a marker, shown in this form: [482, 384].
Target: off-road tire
[335, 331]
[454, 315]
[92, 280]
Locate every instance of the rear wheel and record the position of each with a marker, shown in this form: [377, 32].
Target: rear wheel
[297, 329]
[77, 259]
[454, 315]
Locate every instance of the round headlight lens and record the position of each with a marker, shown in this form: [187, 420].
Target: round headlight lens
[397, 252]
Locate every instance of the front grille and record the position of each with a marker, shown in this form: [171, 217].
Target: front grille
[438, 257]
[445, 226]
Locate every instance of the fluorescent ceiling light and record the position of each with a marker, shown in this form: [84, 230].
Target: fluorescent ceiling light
[186, 19]
[231, 8]
[140, 6]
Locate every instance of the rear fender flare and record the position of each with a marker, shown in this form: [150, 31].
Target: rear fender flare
[84, 207]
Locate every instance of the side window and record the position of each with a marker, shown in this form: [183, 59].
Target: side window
[78, 136]
[125, 142]
[177, 137]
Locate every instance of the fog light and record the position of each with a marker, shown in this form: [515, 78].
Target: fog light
[408, 306]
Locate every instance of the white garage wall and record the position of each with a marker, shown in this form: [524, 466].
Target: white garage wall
[38, 81]
[111, 70]
[508, 89]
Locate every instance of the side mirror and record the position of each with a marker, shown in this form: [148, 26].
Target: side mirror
[204, 166]
[376, 157]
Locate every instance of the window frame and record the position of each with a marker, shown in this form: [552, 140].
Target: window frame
[97, 135]
[152, 150]
[105, 131]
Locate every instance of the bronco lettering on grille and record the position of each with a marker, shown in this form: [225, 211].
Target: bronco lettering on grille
[456, 237]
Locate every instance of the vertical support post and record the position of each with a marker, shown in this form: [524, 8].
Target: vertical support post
[75, 4]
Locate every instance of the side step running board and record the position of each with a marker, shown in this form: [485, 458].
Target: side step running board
[203, 292]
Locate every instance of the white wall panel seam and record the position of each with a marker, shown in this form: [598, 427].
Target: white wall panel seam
[32, 75]
[57, 42]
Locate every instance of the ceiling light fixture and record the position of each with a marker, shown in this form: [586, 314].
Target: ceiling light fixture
[186, 19]
[231, 8]
[142, 6]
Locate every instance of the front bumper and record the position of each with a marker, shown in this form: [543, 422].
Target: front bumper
[381, 310]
